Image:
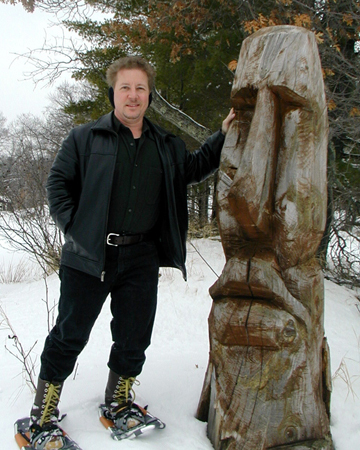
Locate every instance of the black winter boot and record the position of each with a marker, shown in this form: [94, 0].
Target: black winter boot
[119, 401]
[119, 391]
[44, 432]
[120, 415]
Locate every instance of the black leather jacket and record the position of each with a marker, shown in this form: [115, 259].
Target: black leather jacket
[79, 190]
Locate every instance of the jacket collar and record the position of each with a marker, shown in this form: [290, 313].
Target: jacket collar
[105, 123]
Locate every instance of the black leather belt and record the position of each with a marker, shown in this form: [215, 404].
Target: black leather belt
[115, 239]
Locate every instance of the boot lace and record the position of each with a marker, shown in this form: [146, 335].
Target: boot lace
[124, 391]
[51, 401]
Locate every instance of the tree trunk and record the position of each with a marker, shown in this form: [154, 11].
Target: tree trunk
[179, 118]
[268, 380]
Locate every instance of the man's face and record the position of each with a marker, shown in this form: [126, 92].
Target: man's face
[131, 96]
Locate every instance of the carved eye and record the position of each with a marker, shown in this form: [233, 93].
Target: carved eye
[244, 99]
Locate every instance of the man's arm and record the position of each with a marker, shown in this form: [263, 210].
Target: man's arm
[206, 160]
[63, 186]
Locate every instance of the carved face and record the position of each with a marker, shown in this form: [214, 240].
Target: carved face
[266, 324]
[272, 179]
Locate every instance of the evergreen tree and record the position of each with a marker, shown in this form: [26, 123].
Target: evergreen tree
[194, 46]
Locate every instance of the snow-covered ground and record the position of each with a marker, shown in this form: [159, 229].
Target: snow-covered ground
[173, 374]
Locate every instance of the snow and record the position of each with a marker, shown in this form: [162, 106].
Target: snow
[173, 374]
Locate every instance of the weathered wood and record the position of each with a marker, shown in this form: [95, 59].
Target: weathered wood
[267, 383]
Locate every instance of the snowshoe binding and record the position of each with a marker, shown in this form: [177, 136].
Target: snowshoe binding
[51, 437]
[128, 422]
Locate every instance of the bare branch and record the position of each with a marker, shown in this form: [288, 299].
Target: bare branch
[28, 365]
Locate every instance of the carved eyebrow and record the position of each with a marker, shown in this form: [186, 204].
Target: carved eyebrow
[246, 98]
[291, 97]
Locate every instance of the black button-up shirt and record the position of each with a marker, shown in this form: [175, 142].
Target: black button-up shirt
[135, 199]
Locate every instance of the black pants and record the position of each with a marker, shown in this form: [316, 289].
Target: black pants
[131, 279]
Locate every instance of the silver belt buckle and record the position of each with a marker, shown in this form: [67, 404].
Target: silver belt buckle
[109, 237]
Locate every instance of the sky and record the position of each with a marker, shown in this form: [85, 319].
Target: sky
[20, 32]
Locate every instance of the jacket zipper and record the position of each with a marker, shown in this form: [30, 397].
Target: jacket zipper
[103, 272]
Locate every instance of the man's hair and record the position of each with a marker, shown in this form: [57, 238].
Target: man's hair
[130, 62]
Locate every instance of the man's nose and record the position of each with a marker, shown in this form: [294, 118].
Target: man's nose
[133, 93]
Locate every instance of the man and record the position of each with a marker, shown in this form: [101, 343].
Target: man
[117, 190]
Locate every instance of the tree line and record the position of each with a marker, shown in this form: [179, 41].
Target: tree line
[194, 46]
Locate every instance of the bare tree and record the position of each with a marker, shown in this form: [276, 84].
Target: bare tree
[26, 160]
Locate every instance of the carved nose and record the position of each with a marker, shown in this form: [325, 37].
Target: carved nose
[251, 194]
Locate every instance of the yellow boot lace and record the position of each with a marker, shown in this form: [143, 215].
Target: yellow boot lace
[51, 401]
[123, 389]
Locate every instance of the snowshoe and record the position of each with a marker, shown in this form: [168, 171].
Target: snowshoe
[48, 438]
[129, 422]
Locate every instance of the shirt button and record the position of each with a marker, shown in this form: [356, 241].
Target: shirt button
[134, 187]
[130, 210]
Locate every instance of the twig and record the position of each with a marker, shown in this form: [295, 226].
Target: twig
[197, 251]
[49, 311]
[21, 355]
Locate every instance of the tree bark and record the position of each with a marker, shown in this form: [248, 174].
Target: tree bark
[179, 118]
[268, 380]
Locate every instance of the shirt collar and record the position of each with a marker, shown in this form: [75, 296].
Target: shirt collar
[119, 127]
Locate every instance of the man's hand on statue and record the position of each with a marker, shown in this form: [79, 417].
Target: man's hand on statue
[227, 121]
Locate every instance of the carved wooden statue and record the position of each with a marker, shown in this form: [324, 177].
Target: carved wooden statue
[268, 383]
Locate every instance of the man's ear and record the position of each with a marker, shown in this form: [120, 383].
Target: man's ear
[111, 96]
